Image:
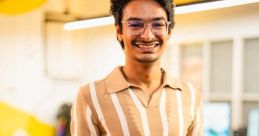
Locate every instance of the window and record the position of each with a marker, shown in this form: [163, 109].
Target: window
[216, 119]
[221, 67]
[247, 107]
[251, 65]
[191, 63]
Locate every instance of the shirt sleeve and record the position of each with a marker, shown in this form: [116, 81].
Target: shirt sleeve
[196, 129]
[83, 123]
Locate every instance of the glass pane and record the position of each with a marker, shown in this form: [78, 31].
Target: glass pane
[216, 119]
[253, 123]
[251, 65]
[221, 67]
[247, 107]
[191, 64]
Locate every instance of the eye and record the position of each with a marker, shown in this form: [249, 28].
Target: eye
[135, 24]
[158, 24]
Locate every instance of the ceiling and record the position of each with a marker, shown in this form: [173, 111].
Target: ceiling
[12, 7]
[184, 2]
[80, 8]
[88, 9]
[100, 8]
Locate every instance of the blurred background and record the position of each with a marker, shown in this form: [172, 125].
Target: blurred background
[42, 65]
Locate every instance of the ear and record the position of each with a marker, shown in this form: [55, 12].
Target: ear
[169, 36]
[118, 33]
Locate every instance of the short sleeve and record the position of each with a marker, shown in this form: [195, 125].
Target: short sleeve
[82, 120]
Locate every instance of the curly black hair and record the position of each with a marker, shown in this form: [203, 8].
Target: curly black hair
[117, 7]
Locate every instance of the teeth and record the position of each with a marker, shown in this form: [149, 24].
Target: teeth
[147, 46]
[148, 43]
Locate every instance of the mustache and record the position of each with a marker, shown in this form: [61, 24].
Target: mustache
[154, 41]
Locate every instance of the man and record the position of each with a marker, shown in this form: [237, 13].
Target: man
[139, 98]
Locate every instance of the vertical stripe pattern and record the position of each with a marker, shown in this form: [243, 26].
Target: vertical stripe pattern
[197, 127]
[180, 112]
[142, 111]
[162, 109]
[121, 114]
[90, 122]
[111, 107]
[193, 98]
[98, 108]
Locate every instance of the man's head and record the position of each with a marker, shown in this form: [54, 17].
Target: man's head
[143, 27]
[117, 7]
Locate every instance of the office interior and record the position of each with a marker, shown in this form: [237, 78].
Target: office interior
[42, 65]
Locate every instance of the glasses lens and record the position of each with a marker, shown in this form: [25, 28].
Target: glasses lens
[135, 26]
[159, 27]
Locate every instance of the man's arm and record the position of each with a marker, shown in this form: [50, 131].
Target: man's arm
[83, 122]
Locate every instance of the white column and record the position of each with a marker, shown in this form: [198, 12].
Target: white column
[236, 120]
[206, 71]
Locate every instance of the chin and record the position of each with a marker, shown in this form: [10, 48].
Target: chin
[147, 60]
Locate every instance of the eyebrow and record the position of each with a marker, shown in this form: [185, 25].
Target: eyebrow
[153, 19]
[158, 18]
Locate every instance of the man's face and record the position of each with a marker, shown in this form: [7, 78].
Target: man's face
[144, 31]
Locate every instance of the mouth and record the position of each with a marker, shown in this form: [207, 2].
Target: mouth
[147, 46]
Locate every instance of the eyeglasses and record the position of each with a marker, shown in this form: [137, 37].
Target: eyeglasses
[137, 27]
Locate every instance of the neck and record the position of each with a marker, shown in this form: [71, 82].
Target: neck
[147, 77]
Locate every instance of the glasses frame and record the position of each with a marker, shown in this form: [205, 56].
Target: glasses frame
[146, 23]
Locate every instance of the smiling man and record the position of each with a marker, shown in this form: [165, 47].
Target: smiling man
[140, 98]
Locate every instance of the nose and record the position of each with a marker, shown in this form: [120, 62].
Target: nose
[147, 34]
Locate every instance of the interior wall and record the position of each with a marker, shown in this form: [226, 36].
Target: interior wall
[21, 60]
[102, 52]
[239, 21]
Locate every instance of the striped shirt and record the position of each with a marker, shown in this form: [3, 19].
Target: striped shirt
[114, 107]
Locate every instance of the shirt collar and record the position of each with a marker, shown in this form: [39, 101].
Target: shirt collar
[116, 82]
[170, 81]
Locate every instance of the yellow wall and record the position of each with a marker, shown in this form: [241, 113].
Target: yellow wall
[19, 6]
[13, 119]
[179, 2]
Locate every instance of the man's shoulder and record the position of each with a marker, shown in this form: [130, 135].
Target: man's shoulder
[184, 86]
[190, 88]
[94, 85]
[101, 85]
